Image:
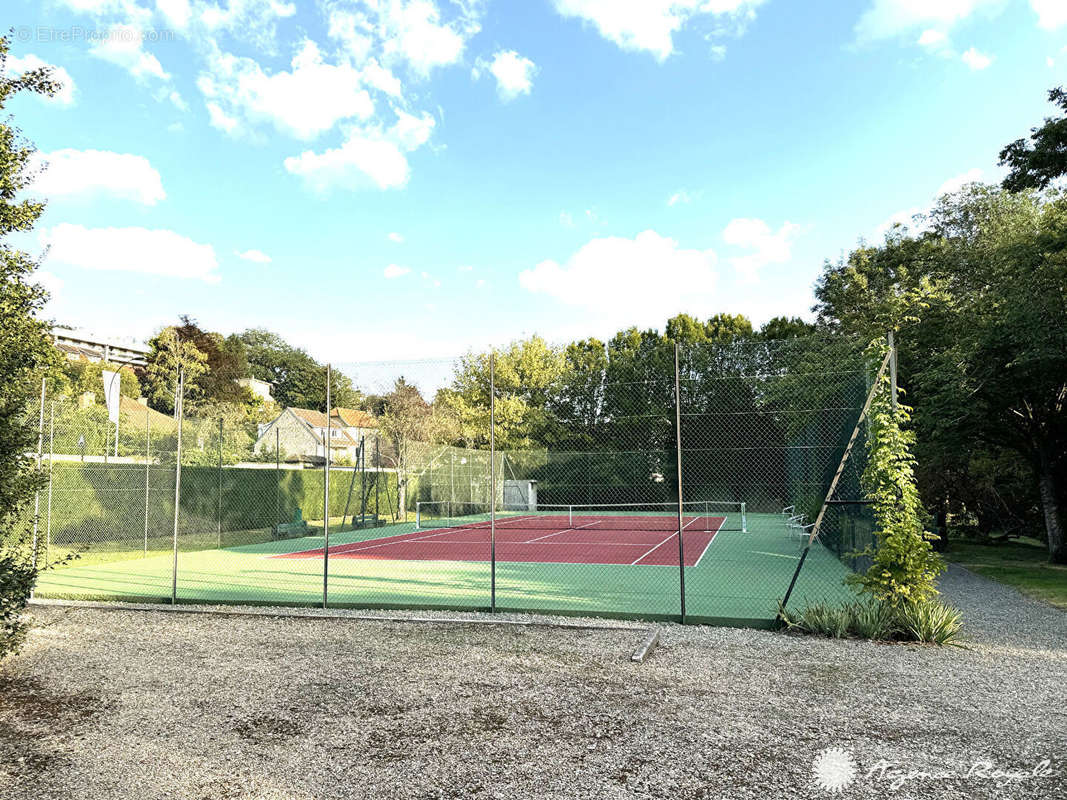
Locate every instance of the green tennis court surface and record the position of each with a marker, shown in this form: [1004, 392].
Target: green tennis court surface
[739, 578]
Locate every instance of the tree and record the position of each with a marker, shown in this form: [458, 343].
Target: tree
[226, 363]
[298, 379]
[168, 354]
[977, 302]
[1036, 165]
[26, 353]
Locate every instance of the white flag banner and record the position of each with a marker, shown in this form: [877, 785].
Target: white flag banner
[112, 384]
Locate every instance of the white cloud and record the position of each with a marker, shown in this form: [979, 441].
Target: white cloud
[74, 172]
[368, 158]
[413, 32]
[304, 102]
[957, 182]
[153, 252]
[124, 46]
[175, 12]
[650, 25]
[565, 219]
[932, 38]
[480, 283]
[396, 271]
[255, 256]
[48, 281]
[178, 101]
[624, 281]
[718, 52]
[682, 197]
[1051, 14]
[976, 60]
[905, 219]
[767, 246]
[65, 95]
[396, 237]
[465, 268]
[514, 73]
[887, 18]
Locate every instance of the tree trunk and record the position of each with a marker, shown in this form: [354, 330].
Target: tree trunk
[1057, 547]
[941, 544]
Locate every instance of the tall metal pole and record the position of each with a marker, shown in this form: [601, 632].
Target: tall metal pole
[51, 452]
[326, 500]
[277, 477]
[177, 486]
[492, 482]
[147, 471]
[220, 483]
[377, 470]
[37, 494]
[678, 449]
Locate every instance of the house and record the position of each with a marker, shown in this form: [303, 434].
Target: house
[78, 344]
[301, 434]
[257, 387]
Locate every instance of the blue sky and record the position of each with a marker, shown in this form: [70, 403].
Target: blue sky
[413, 178]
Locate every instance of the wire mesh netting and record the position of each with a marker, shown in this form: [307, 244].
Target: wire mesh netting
[632, 479]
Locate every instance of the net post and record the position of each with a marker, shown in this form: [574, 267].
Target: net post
[492, 482]
[326, 499]
[418, 515]
[277, 476]
[177, 488]
[678, 455]
[744, 517]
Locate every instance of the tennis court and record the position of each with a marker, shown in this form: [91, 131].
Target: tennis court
[547, 538]
[732, 576]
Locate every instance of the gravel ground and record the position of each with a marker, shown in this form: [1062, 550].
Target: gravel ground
[146, 704]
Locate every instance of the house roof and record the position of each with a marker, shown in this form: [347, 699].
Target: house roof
[135, 411]
[353, 418]
[317, 420]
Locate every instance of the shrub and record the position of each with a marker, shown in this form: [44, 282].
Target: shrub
[927, 621]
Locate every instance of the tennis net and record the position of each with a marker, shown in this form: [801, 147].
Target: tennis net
[707, 515]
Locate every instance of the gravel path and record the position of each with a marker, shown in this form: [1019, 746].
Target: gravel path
[142, 704]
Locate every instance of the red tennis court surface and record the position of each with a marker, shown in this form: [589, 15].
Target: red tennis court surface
[583, 540]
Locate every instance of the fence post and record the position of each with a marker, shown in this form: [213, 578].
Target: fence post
[37, 494]
[678, 458]
[492, 482]
[220, 483]
[177, 487]
[147, 471]
[277, 477]
[51, 452]
[326, 500]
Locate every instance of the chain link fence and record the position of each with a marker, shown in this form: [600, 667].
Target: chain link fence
[634, 479]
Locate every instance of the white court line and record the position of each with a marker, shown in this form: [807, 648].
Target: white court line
[714, 535]
[557, 533]
[675, 533]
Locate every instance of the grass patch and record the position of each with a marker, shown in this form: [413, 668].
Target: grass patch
[1020, 563]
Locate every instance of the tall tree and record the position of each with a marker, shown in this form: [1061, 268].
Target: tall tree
[298, 379]
[26, 352]
[1034, 164]
[168, 355]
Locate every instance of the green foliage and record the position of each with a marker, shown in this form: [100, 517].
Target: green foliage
[26, 355]
[76, 377]
[297, 378]
[169, 354]
[934, 623]
[1036, 165]
[904, 566]
[928, 621]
